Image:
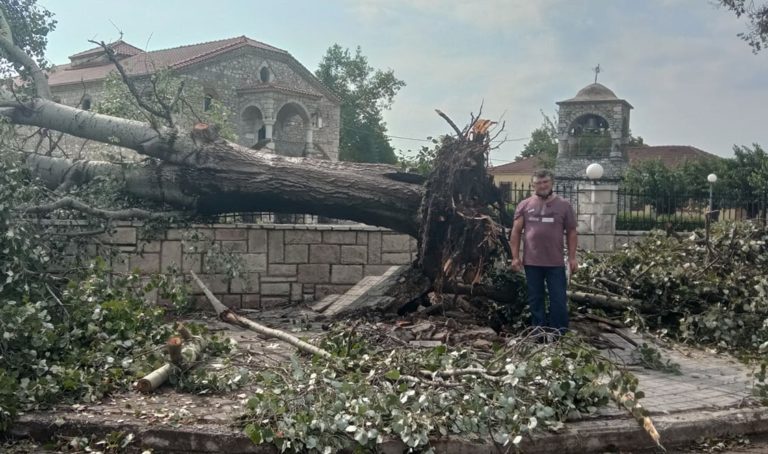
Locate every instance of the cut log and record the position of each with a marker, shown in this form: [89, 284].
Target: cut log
[174, 347]
[191, 352]
[154, 379]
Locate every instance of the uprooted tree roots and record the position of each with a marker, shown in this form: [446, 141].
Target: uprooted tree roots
[460, 232]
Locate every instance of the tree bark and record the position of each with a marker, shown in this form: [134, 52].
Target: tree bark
[242, 180]
[221, 176]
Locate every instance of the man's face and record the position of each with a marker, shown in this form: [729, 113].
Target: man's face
[542, 186]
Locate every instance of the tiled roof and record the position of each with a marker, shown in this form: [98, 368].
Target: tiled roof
[525, 166]
[672, 156]
[148, 62]
[120, 47]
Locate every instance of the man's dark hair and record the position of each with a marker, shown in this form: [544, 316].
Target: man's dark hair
[544, 173]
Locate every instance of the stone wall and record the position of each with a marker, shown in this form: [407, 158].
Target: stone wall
[282, 264]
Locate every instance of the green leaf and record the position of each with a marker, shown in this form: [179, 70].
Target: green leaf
[254, 433]
[392, 374]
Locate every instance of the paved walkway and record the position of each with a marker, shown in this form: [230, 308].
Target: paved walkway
[707, 380]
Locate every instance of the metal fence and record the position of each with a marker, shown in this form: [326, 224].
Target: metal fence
[646, 210]
[275, 218]
[514, 193]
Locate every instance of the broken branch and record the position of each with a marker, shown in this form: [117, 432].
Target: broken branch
[228, 316]
[16, 54]
[126, 214]
[131, 86]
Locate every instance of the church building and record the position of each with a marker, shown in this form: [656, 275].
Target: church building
[271, 97]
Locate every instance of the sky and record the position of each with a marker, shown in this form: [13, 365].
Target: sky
[691, 80]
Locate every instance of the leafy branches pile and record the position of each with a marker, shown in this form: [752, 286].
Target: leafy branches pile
[83, 332]
[369, 392]
[712, 293]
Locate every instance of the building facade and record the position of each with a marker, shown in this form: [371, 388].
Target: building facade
[271, 98]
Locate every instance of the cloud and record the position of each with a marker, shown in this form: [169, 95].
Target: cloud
[690, 79]
[484, 14]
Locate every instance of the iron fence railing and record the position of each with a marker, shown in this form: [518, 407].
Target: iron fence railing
[275, 218]
[515, 192]
[646, 210]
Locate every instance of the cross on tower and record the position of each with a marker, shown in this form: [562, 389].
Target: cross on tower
[596, 69]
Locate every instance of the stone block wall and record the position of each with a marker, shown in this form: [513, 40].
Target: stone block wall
[596, 216]
[281, 264]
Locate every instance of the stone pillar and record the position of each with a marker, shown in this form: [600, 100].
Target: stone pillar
[562, 145]
[598, 207]
[310, 140]
[615, 144]
[268, 126]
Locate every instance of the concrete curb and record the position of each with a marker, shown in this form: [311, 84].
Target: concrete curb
[610, 434]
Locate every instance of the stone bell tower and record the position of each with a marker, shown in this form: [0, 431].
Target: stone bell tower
[592, 127]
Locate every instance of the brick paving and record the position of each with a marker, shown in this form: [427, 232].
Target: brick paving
[708, 380]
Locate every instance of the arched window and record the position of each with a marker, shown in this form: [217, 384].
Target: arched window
[264, 74]
[590, 136]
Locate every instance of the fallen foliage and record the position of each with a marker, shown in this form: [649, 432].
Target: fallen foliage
[709, 294]
[70, 329]
[373, 389]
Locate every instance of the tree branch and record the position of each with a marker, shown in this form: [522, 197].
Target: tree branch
[113, 215]
[227, 315]
[450, 122]
[165, 115]
[17, 55]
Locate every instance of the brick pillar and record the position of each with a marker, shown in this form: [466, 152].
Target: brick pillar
[598, 206]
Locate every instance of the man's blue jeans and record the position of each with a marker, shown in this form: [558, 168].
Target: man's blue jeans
[554, 277]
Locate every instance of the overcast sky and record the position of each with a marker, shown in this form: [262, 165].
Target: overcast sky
[678, 62]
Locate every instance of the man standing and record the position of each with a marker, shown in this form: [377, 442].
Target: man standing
[542, 219]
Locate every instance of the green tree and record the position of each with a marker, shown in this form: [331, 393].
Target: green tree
[743, 180]
[757, 21]
[636, 141]
[421, 162]
[657, 184]
[667, 189]
[164, 84]
[29, 25]
[365, 93]
[543, 144]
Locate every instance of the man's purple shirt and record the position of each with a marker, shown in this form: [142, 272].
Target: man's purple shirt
[544, 224]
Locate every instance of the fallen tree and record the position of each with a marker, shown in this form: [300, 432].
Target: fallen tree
[454, 213]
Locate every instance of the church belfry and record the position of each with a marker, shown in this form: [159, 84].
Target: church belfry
[592, 127]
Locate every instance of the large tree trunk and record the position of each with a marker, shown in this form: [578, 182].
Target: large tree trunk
[211, 177]
[451, 216]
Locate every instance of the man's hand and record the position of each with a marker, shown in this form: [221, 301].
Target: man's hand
[517, 265]
[573, 265]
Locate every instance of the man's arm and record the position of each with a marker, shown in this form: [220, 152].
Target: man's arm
[514, 240]
[573, 242]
